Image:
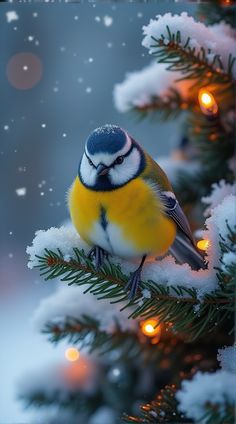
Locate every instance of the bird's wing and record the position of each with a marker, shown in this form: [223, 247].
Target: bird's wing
[160, 184]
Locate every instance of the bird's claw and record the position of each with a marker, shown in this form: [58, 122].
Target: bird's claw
[99, 255]
[133, 283]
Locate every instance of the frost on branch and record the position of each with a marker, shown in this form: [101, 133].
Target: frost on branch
[212, 39]
[140, 88]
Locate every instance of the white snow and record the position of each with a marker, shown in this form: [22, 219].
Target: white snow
[227, 358]
[12, 16]
[164, 271]
[209, 37]
[72, 302]
[216, 388]
[139, 87]
[64, 238]
[219, 191]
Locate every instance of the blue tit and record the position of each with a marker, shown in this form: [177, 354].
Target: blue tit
[122, 203]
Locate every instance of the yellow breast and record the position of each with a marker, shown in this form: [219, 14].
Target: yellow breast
[128, 221]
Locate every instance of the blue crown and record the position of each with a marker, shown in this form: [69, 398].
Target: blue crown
[106, 139]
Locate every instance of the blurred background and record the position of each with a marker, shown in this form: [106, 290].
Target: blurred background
[58, 66]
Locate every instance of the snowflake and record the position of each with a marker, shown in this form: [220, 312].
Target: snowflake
[21, 191]
[12, 16]
[108, 20]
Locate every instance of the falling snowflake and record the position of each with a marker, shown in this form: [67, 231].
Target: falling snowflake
[43, 125]
[108, 20]
[12, 16]
[97, 19]
[21, 191]
[30, 38]
[88, 90]
[91, 60]
[76, 18]
[6, 127]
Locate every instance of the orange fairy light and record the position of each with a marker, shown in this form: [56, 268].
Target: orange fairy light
[203, 244]
[151, 328]
[72, 354]
[207, 102]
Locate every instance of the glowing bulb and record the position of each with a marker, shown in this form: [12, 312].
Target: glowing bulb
[203, 244]
[72, 354]
[151, 327]
[207, 102]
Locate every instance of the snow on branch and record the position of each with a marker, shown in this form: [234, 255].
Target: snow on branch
[219, 191]
[205, 390]
[208, 392]
[165, 271]
[142, 88]
[217, 40]
[71, 302]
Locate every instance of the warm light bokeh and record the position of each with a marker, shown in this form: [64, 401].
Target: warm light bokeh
[151, 327]
[207, 102]
[203, 244]
[72, 354]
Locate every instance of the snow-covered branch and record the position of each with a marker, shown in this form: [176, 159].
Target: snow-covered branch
[217, 40]
[141, 89]
[210, 390]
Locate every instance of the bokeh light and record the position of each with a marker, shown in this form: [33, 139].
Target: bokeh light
[24, 70]
[203, 244]
[207, 102]
[72, 354]
[151, 327]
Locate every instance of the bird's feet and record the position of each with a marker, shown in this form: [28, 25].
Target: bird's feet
[99, 255]
[134, 280]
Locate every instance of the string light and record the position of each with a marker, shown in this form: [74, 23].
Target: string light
[151, 328]
[72, 354]
[203, 244]
[207, 102]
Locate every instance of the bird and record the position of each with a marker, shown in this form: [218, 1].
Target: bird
[122, 204]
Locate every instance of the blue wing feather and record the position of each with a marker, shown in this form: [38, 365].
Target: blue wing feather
[174, 211]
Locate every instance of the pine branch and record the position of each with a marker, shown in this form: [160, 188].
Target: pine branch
[193, 65]
[161, 410]
[171, 304]
[164, 409]
[87, 333]
[164, 108]
[74, 400]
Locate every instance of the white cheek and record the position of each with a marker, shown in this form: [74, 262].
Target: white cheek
[120, 174]
[88, 173]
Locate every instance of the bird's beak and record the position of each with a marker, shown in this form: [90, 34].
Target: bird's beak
[102, 169]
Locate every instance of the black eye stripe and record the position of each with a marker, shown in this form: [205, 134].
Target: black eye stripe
[114, 163]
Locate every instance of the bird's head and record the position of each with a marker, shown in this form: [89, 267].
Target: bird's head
[111, 159]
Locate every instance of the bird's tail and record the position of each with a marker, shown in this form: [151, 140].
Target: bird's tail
[185, 252]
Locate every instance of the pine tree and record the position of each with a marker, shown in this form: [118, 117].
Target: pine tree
[160, 350]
